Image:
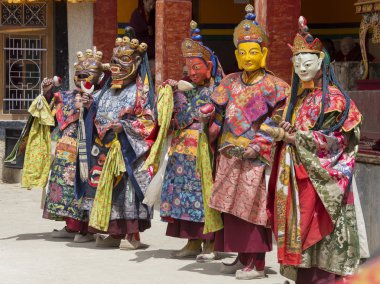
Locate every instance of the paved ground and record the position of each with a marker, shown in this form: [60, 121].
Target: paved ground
[29, 255]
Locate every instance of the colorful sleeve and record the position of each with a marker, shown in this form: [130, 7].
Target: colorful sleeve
[221, 94]
[138, 124]
[262, 142]
[329, 160]
[220, 98]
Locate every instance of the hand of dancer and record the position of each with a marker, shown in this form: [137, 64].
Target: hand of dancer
[287, 127]
[117, 126]
[47, 86]
[290, 138]
[250, 153]
[224, 150]
[86, 100]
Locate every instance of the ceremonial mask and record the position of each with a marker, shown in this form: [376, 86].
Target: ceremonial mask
[307, 65]
[126, 59]
[250, 56]
[250, 41]
[199, 70]
[199, 58]
[310, 61]
[89, 68]
[307, 53]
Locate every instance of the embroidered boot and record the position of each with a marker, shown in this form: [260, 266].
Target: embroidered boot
[192, 248]
[132, 242]
[254, 266]
[79, 238]
[249, 274]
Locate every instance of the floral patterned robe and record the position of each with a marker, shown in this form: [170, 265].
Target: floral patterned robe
[181, 196]
[60, 199]
[239, 187]
[310, 200]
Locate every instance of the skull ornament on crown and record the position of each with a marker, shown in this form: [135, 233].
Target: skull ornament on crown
[89, 67]
[126, 59]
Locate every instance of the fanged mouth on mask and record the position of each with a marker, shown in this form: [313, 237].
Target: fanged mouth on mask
[126, 59]
[89, 67]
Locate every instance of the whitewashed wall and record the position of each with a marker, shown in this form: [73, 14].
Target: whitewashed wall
[80, 23]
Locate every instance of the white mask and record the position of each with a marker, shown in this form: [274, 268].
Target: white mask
[307, 65]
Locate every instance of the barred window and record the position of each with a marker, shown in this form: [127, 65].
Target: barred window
[24, 40]
[24, 59]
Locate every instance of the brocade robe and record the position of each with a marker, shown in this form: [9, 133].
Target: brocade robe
[181, 196]
[239, 187]
[129, 106]
[309, 198]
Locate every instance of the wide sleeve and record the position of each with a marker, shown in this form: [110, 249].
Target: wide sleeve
[219, 97]
[262, 141]
[138, 124]
[221, 94]
[329, 160]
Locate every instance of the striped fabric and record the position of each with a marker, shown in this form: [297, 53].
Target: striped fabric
[82, 152]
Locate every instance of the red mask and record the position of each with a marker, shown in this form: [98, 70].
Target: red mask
[199, 71]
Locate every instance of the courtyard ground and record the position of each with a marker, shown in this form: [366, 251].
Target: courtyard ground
[29, 255]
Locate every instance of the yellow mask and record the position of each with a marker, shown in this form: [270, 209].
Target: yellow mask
[250, 56]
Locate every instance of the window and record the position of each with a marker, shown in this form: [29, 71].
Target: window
[31, 14]
[25, 42]
[24, 59]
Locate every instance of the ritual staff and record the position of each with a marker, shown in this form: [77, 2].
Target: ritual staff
[61, 202]
[247, 99]
[188, 178]
[312, 206]
[120, 122]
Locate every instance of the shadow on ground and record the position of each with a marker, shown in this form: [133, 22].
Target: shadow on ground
[35, 236]
[213, 268]
[142, 256]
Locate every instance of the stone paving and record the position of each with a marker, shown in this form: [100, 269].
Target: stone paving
[29, 255]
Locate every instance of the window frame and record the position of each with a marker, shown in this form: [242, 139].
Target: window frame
[46, 33]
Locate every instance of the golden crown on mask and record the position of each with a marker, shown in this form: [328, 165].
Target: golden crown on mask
[300, 43]
[249, 30]
[192, 48]
[133, 44]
